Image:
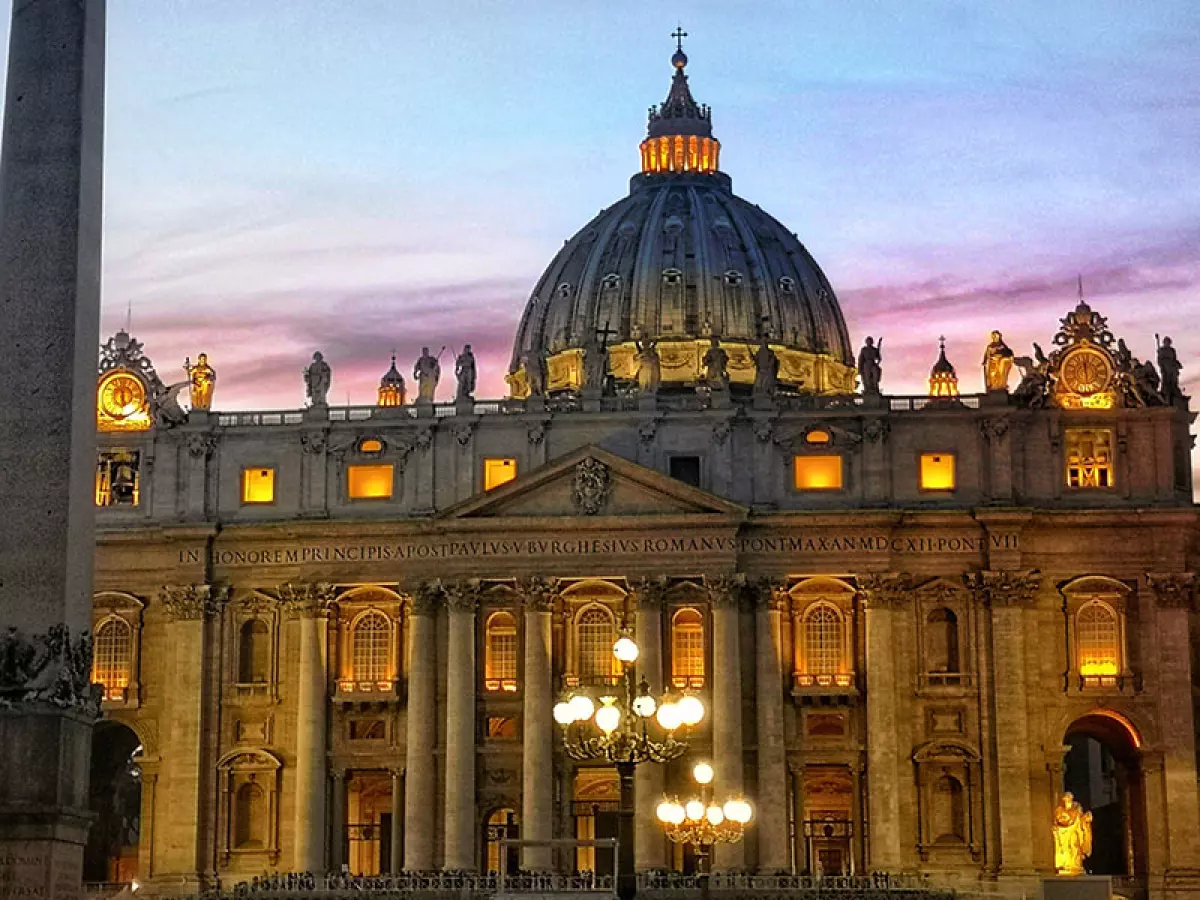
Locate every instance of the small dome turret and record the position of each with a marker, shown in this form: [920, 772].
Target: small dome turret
[391, 386]
[943, 380]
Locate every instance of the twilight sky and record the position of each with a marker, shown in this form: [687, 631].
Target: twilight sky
[357, 175]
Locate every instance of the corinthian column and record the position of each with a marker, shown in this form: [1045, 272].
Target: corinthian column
[420, 778]
[772, 824]
[650, 851]
[460, 729]
[726, 593]
[537, 737]
[310, 604]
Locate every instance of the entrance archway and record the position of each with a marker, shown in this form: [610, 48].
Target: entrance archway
[1102, 768]
[115, 798]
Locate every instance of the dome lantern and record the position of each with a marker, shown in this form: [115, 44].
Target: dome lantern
[391, 387]
[943, 380]
[679, 133]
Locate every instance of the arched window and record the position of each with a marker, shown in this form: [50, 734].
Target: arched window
[249, 820]
[687, 649]
[1097, 640]
[111, 657]
[941, 642]
[371, 647]
[254, 652]
[500, 652]
[949, 812]
[595, 634]
[824, 638]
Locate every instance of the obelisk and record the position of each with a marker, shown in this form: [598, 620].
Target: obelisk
[50, 221]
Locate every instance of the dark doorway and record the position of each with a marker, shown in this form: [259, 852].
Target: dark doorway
[115, 799]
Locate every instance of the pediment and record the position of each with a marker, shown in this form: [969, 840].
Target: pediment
[593, 482]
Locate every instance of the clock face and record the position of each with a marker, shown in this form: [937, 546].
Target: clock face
[1086, 372]
[122, 395]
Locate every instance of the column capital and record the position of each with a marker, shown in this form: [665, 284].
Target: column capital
[536, 593]
[183, 602]
[650, 592]
[306, 599]
[462, 596]
[1005, 589]
[771, 594]
[1174, 590]
[726, 591]
[886, 591]
[52, 669]
[427, 598]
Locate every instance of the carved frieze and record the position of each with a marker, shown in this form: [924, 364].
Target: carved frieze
[1000, 589]
[1176, 590]
[592, 487]
[887, 591]
[50, 669]
[182, 602]
[306, 599]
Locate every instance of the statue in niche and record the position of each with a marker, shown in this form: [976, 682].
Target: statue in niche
[716, 365]
[997, 363]
[537, 371]
[1072, 836]
[869, 368]
[202, 378]
[427, 371]
[1170, 367]
[766, 369]
[464, 371]
[317, 379]
[649, 366]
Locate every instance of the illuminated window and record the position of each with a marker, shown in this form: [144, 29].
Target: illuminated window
[501, 827]
[817, 436]
[370, 482]
[687, 649]
[502, 728]
[371, 647]
[254, 652]
[818, 473]
[1097, 639]
[595, 634]
[370, 445]
[498, 471]
[258, 485]
[1089, 454]
[112, 654]
[500, 653]
[823, 638]
[937, 471]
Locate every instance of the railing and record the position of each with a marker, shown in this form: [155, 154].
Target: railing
[458, 885]
[668, 886]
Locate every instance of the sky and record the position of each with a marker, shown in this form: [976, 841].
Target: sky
[358, 176]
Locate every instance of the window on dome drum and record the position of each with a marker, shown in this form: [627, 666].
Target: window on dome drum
[687, 649]
[372, 482]
[685, 469]
[371, 651]
[937, 472]
[498, 471]
[595, 634]
[1098, 644]
[1089, 457]
[258, 485]
[817, 473]
[112, 656]
[500, 652]
[823, 643]
[254, 652]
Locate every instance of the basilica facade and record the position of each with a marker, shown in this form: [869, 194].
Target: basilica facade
[335, 636]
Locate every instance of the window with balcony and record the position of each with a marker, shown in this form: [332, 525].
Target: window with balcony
[1089, 456]
[823, 642]
[1097, 638]
[371, 651]
[1095, 611]
[595, 634]
[500, 652]
[112, 655]
[687, 649]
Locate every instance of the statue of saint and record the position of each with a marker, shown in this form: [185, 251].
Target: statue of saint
[1170, 367]
[595, 364]
[869, 369]
[766, 370]
[202, 377]
[317, 378]
[464, 371]
[537, 372]
[1072, 836]
[716, 365]
[426, 372]
[649, 366]
[997, 363]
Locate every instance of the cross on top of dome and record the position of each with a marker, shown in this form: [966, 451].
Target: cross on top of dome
[679, 114]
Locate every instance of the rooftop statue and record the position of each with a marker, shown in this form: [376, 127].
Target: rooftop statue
[595, 363]
[997, 363]
[426, 372]
[649, 366]
[1170, 367]
[317, 378]
[536, 371]
[716, 365]
[766, 369]
[202, 377]
[464, 371]
[1072, 836]
[869, 369]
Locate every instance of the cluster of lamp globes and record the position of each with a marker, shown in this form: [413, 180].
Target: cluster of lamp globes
[687, 711]
[695, 821]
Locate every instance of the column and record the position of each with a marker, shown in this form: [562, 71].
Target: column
[460, 730]
[310, 604]
[420, 777]
[50, 197]
[880, 594]
[650, 843]
[726, 592]
[537, 764]
[771, 812]
[397, 852]
[337, 828]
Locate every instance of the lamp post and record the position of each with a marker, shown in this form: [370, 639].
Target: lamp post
[618, 729]
[701, 822]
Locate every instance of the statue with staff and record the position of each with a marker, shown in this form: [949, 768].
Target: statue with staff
[203, 379]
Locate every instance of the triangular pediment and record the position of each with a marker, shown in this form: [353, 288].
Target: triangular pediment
[593, 482]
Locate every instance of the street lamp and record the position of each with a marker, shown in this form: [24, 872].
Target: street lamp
[616, 725]
[701, 822]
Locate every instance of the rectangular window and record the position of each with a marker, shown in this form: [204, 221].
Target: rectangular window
[817, 473]
[369, 482]
[498, 471]
[937, 471]
[258, 485]
[686, 469]
[1089, 456]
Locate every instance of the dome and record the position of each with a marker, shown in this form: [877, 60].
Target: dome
[679, 260]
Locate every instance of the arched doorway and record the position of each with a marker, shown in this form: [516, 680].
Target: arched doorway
[115, 799]
[501, 825]
[1102, 768]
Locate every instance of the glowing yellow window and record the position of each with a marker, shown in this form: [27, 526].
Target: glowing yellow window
[937, 471]
[817, 473]
[369, 482]
[497, 472]
[370, 445]
[258, 485]
[817, 436]
[1089, 457]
